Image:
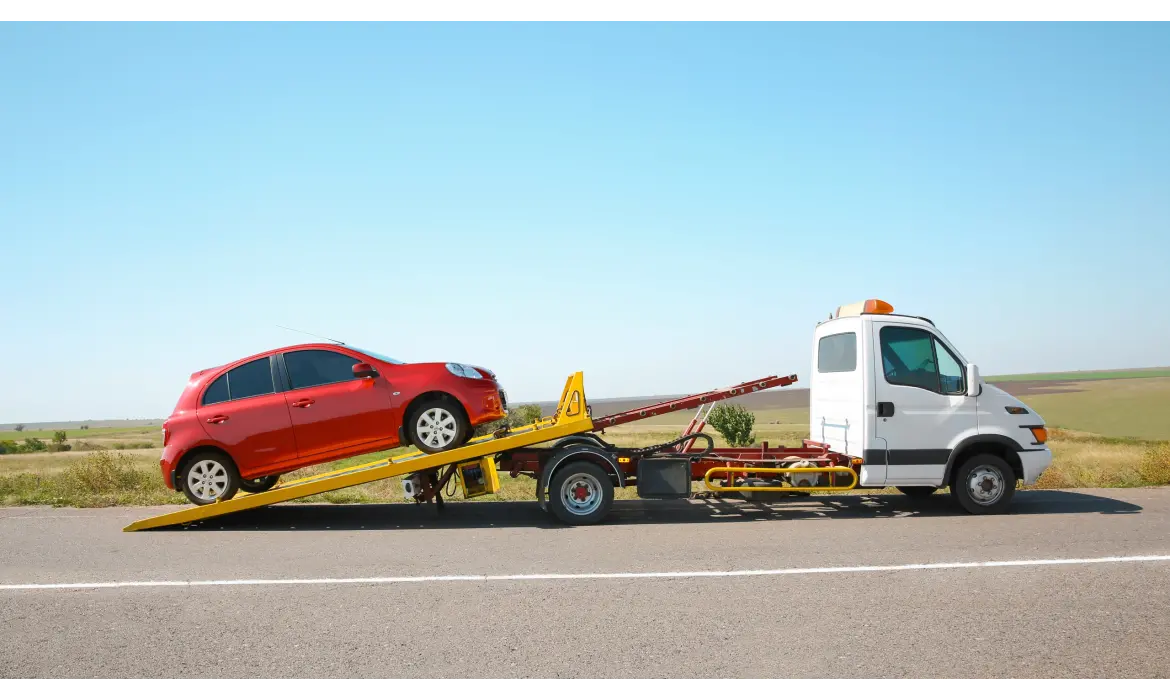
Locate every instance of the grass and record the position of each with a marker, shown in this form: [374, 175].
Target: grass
[1083, 375]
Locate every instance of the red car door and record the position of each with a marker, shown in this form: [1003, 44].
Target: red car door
[242, 411]
[330, 408]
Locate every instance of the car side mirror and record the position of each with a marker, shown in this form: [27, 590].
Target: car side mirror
[973, 379]
[364, 370]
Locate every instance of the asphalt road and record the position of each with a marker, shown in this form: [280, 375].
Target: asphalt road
[276, 595]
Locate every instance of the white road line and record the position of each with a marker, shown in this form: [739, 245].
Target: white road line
[573, 577]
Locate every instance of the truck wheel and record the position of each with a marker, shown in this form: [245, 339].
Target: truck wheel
[984, 485]
[918, 492]
[581, 493]
[259, 484]
[210, 477]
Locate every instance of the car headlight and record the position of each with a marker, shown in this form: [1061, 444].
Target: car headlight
[463, 371]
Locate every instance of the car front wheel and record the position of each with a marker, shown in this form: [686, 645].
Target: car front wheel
[437, 425]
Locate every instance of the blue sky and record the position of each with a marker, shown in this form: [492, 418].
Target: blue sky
[666, 207]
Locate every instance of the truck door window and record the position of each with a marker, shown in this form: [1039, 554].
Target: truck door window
[837, 353]
[950, 372]
[908, 357]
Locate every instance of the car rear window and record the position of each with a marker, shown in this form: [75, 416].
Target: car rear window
[252, 379]
[217, 392]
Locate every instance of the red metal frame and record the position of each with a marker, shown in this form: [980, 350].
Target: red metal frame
[692, 401]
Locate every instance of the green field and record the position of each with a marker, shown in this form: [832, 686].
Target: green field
[1082, 376]
[137, 432]
[1121, 408]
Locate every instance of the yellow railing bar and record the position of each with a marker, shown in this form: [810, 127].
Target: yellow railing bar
[730, 471]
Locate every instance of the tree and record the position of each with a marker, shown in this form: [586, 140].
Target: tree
[59, 437]
[734, 423]
[19, 427]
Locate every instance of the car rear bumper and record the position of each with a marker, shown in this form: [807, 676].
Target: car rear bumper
[168, 462]
[1034, 463]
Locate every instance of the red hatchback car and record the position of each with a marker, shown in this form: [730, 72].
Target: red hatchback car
[242, 425]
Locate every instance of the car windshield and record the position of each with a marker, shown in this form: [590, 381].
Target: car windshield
[380, 356]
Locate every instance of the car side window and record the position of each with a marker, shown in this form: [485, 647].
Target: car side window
[217, 392]
[251, 379]
[308, 368]
[908, 357]
[950, 372]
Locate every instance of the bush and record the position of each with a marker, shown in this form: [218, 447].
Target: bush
[517, 416]
[1155, 464]
[734, 423]
[34, 445]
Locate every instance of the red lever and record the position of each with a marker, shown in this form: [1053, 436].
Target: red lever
[303, 403]
[217, 419]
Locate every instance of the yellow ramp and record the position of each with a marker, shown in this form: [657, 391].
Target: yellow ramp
[570, 418]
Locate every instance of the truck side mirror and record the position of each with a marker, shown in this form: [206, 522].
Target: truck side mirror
[973, 379]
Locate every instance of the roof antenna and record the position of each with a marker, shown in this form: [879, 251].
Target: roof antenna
[294, 330]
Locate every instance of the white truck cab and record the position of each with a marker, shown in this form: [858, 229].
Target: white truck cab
[893, 391]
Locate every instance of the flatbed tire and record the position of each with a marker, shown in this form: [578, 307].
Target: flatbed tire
[568, 481]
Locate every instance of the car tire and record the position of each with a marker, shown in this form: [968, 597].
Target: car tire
[984, 485]
[437, 425]
[917, 492]
[581, 493]
[209, 477]
[259, 484]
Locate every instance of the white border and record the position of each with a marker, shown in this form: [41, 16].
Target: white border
[527, 10]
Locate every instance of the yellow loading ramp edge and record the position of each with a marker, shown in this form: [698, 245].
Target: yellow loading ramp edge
[571, 418]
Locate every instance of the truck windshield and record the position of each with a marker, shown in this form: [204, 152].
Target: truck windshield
[380, 356]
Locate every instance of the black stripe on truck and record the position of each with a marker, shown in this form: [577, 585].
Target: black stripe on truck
[900, 457]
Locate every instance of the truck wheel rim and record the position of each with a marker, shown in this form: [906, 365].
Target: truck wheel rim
[581, 494]
[207, 479]
[436, 427]
[985, 485]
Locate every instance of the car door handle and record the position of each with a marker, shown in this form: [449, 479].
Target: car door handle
[885, 409]
[303, 403]
[217, 419]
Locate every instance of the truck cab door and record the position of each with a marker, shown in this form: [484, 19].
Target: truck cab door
[922, 405]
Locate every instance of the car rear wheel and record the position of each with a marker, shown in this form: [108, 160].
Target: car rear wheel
[259, 484]
[437, 425]
[210, 477]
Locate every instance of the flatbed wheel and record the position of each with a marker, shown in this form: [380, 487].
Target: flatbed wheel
[581, 493]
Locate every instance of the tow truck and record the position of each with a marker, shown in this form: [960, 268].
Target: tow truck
[892, 403]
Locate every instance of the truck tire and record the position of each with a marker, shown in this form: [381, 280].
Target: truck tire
[581, 493]
[984, 485]
[917, 492]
